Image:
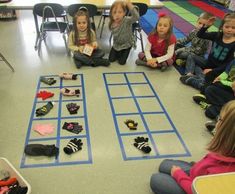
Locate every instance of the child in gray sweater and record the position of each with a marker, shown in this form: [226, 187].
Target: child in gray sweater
[121, 29]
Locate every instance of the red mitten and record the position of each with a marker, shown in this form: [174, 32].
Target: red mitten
[39, 94]
[8, 182]
[46, 95]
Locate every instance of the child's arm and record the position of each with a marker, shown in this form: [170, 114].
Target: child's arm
[168, 55]
[71, 44]
[94, 42]
[150, 61]
[134, 13]
[208, 35]
[182, 179]
[129, 5]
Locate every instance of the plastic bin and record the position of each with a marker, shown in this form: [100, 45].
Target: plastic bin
[6, 165]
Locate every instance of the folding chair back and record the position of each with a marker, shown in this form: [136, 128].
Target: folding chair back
[92, 10]
[51, 15]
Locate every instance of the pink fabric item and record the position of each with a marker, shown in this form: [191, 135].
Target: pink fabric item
[4, 189]
[212, 163]
[43, 129]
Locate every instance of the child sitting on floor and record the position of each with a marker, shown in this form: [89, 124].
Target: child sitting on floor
[82, 42]
[159, 51]
[221, 54]
[197, 47]
[176, 176]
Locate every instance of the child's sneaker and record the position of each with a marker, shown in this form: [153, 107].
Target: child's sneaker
[210, 125]
[180, 62]
[213, 132]
[204, 105]
[198, 98]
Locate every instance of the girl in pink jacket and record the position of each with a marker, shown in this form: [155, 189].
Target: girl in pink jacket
[176, 177]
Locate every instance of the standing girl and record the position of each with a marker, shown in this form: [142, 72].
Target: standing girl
[82, 42]
[121, 29]
[159, 51]
[176, 176]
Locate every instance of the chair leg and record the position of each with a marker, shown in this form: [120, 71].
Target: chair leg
[36, 42]
[101, 17]
[9, 65]
[141, 41]
[66, 46]
[102, 27]
[39, 45]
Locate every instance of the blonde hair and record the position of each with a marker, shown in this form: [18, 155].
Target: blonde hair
[169, 33]
[205, 15]
[227, 18]
[224, 139]
[76, 32]
[114, 6]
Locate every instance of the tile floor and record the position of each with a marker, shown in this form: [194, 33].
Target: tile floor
[108, 162]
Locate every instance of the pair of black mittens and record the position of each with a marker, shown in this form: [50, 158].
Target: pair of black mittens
[72, 108]
[72, 127]
[141, 143]
[73, 146]
[48, 81]
[41, 150]
[42, 111]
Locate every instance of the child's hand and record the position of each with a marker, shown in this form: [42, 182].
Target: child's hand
[217, 79]
[151, 62]
[210, 21]
[94, 45]
[129, 4]
[233, 87]
[205, 71]
[174, 168]
[80, 49]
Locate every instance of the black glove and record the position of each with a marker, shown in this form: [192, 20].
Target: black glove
[72, 108]
[73, 127]
[42, 111]
[74, 145]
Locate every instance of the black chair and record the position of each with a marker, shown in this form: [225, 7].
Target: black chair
[92, 10]
[2, 58]
[53, 18]
[137, 29]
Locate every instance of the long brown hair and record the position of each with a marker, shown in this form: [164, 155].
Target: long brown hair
[170, 31]
[224, 139]
[114, 6]
[76, 32]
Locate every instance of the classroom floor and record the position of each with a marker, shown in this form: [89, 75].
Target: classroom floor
[108, 162]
